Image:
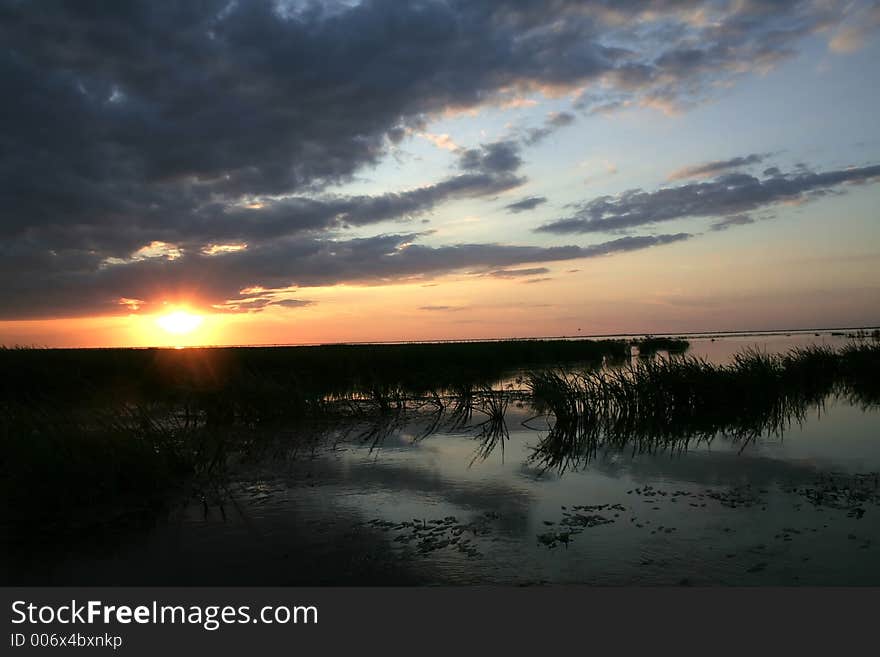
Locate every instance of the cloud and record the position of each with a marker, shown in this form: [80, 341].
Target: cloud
[221, 123]
[499, 157]
[553, 122]
[707, 169]
[517, 273]
[75, 283]
[131, 304]
[528, 203]
[729, 194]
[450, 309]
[293, 303]
[859, 27]
[130, 118]
[258, 304]
[735, 220]
[487, 170]
[443, 142]
[492, 172]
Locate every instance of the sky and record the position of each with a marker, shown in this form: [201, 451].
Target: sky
[306, 172]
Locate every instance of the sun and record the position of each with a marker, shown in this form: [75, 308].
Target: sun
[180, 322]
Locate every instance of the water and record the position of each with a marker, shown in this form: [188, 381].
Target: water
[800, 508]
[721, 349]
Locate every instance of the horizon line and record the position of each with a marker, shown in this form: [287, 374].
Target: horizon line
[585, 336]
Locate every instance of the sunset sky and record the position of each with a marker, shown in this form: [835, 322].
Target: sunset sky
[300, 172]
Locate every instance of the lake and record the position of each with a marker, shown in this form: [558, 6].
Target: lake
[402, 504]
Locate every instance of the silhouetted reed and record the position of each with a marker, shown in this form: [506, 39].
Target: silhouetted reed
[668, 403]
[266, 384]
[76, 433]
[492, 432]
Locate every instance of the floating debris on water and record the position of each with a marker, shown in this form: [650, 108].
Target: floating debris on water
[581, 517]
[844, 491]
[427, 536]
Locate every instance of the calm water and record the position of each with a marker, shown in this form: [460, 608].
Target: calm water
[434, 510]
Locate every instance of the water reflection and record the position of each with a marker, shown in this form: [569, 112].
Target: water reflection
[493, 484]
[664, 403]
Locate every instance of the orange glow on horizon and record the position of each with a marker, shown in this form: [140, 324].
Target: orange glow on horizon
[655, 291]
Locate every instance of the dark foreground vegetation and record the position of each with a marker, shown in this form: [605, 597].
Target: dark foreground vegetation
[115, 431]
[257, 383]
[96, 436]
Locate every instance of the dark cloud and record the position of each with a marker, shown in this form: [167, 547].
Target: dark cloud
[730, 194]
[560, 119]
[499, 158]
[71, 283]
[551, 124]
[491, 174]
[293, 303]
[449, 309]
[735, 220]
[258, 304]
[518, 273]
[528, 203]
[217, 122]
[707, 169]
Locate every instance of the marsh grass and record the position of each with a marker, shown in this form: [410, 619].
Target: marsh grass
[111, 430]
[53, 463]
[492, 432]
[261, 384]
[98, 434]
[669, 403]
